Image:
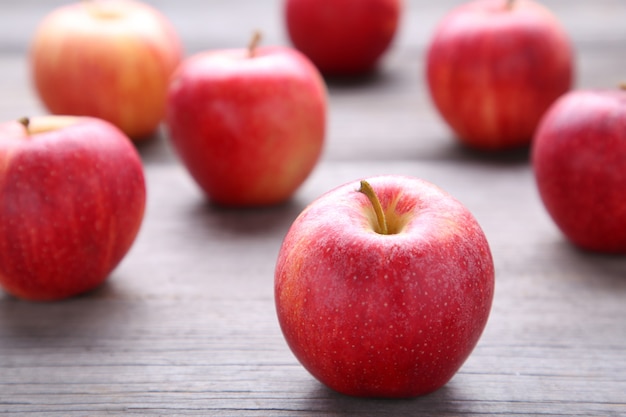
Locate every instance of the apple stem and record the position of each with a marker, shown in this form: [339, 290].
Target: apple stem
[254, 43]
[367, 189]
[622, 86]
[25, 121]
[509, 4]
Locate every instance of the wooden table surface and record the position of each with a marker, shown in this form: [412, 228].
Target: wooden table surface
[186, 324]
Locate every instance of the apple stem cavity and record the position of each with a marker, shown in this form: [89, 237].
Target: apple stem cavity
[510, 4]
[254, 43]
[367, 189]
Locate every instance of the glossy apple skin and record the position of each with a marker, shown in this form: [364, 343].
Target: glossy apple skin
[107, 59]
[492, 72]
[579, 162]
[249, 129]
[343, 37]
[71, 203]
[375, 315]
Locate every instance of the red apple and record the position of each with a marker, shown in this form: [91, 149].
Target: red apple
[343, 37]
[384, 313]
[579, 162]
[72, 198]
[110, 59]
[248, 124]
[493, 69]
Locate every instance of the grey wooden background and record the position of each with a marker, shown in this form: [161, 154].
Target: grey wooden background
[186, 324]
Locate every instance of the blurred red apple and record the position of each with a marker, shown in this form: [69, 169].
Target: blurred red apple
[579, 161]
[72, 197]
[343, 37]
[110, 59]
[248, 124]
[493, 69]
[383, 290]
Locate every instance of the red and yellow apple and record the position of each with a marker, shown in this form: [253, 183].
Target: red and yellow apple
[343, 37]
[72, 197]
[249, 124]
[110, 59]
[579, 162]
[493, 68]
[383, 287]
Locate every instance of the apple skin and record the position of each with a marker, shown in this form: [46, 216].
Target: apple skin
[343, 37]
[249, 129]
[72, 198]
[108, 59]
[493, 71]
[579, 162]
[392, 316]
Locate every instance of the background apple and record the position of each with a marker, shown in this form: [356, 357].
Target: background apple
[249, 124]
[384, 315]
[579, 161]
[110, 59]
[343, 37]
[72, 197]
[494, 67]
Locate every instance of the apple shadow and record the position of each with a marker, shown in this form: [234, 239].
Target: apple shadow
[353, 81]
[156, 148]
[376, 77]
[34, 322]
[605, 269]
[460, 152]
[245, 221]
[324, 400]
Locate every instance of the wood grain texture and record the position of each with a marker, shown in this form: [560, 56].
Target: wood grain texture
[186, 325]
